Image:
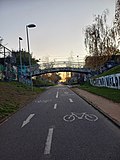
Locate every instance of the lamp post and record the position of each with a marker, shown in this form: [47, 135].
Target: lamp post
[29, 26]
[78, 60]
[20, 56]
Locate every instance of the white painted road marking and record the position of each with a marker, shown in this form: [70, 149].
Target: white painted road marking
[57, 95]
[27, 120]
[70, 100]
[55, 106]
[73, 116]
[44, 101]
[48, 141]
[69, 94]
[66, 92]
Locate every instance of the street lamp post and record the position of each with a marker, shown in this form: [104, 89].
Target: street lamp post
[29, 26]
[78, 60]
[20, 56]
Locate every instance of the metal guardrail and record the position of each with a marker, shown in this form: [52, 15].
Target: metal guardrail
[8, 71]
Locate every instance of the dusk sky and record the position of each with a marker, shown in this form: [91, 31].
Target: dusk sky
[60, 24]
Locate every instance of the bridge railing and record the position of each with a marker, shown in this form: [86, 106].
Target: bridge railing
[61, 69]
[8, 71]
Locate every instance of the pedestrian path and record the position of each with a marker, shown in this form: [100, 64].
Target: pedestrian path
[107, 107]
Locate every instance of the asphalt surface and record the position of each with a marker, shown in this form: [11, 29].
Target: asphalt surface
[42, 131]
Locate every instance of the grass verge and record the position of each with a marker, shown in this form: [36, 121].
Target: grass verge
[113, 70]
[109, 93]
[14, 95]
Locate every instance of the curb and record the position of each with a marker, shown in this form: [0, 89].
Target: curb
[100, 110]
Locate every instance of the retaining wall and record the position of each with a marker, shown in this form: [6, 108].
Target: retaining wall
[110, 81]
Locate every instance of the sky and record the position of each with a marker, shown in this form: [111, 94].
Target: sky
[59, 25]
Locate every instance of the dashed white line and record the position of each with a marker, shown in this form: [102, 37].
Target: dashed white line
[57, 95]
[70, 100]
[55, 106]
[48, 141]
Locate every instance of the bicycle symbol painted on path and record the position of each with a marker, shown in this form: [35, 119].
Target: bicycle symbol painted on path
[73, 116]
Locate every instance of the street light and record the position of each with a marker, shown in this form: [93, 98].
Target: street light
[20, 39]
[78, 60]
[29, 26]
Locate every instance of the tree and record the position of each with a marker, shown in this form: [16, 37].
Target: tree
[96, 35]
[100, 41]
[94, 62]
[25, 58]
[117, 17]
[1, 39]
[55, 77]
[50, 77]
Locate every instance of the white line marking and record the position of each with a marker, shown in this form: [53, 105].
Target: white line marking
[55, 106]
[44, 101]
[48, 141]
[57, 95]
[27, 120]
[66, 92]
[70, 100]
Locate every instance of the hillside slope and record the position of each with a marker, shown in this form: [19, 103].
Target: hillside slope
[14, 95]
[113, 70]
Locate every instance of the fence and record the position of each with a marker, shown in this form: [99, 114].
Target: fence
[8, 70]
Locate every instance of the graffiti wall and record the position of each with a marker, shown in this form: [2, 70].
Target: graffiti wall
[111, 81]
[8, 72]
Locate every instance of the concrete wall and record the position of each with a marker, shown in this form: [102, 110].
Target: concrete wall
[110, 81]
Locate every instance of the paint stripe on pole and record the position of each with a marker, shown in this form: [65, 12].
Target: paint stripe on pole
[48, 142]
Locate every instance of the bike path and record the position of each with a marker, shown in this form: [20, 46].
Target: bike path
[27, 143]
[48, 136]
[82, 139]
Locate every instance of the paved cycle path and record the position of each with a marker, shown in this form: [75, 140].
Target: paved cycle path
[39, 132]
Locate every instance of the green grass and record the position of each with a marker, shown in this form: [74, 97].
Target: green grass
[109, 93]
[114, 70]
[7, 108]
[14, 95]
